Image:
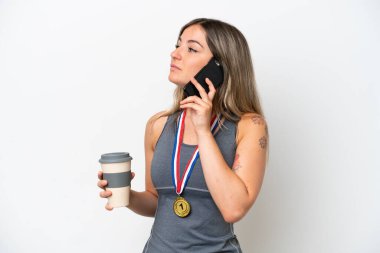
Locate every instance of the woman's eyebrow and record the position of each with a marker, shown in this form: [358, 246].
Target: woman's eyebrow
[192, 41]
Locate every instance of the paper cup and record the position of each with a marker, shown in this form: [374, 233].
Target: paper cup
[116, 169]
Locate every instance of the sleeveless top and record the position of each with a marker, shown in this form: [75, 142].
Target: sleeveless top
[204, 229]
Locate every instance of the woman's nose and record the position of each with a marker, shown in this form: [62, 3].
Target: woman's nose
[176, 54]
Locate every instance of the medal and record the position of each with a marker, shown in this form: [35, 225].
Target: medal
[181, 206]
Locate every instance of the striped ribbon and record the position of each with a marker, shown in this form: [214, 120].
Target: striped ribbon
[178, 182]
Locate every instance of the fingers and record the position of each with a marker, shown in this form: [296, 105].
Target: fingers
[195, 99]
[108, 207]
[199, 87]
[192, 106]
[102, 184]
[105, 194]
[196, 104]
[205, 96]
[212, 91]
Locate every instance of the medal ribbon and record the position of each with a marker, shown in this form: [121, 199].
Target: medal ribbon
[178, 182]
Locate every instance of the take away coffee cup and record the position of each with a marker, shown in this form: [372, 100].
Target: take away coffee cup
[116, 169]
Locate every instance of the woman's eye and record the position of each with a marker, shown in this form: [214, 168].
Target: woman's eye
[189, 49]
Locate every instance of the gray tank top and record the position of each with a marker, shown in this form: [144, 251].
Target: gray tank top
[204, 230]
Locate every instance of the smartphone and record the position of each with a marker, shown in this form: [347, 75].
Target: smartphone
[213, 71]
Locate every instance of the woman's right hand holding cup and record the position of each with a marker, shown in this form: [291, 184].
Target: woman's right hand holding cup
[102, 183]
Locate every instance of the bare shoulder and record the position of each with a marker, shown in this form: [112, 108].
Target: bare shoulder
[254, 119]
[157, 120]
[252, 125]
[154, 127]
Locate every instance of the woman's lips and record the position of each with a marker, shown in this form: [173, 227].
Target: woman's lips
[172, 66]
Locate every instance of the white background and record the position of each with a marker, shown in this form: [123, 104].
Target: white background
[81, 78]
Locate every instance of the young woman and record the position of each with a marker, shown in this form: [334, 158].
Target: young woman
[201, 179]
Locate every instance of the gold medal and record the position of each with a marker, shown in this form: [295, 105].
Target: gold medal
[181, 207]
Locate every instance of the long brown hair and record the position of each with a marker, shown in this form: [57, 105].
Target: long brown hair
[237, 95]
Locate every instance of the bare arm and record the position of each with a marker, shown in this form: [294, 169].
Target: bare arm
[235, 189]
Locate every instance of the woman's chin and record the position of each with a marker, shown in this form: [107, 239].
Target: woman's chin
[177, 82]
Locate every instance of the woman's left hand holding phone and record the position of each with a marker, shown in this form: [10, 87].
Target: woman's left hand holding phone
[200, 108]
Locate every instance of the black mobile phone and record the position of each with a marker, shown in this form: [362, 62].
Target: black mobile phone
[213, 71]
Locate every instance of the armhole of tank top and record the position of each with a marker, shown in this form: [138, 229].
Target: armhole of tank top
[163, 129]
[236, 137]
